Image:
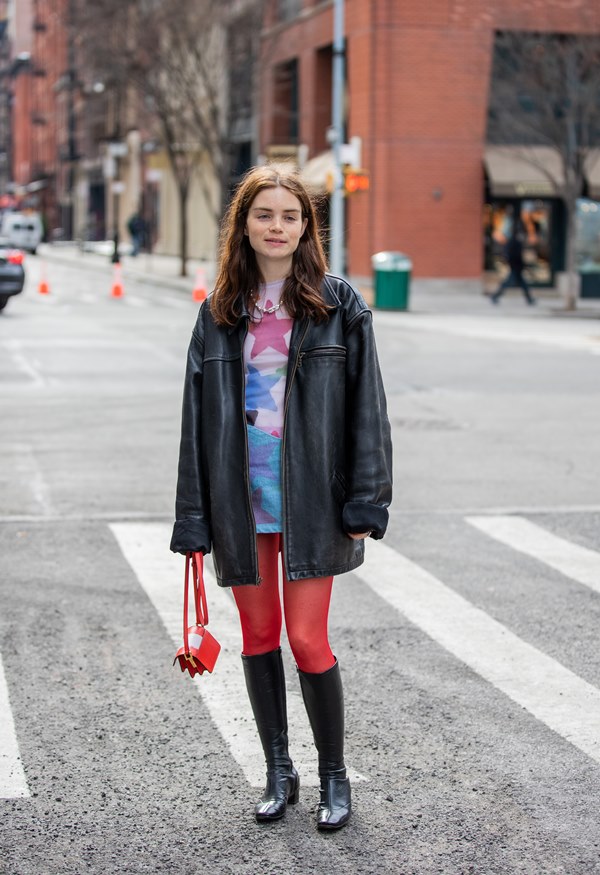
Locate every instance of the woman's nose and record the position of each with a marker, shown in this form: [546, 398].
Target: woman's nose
[275, 224]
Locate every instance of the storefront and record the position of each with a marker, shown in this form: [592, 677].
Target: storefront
[521, 185]
[521, 192]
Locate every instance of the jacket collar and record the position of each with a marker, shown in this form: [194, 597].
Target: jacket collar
[328, 291]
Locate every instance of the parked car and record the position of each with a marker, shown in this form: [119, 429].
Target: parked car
[23, 230]
[12, 272]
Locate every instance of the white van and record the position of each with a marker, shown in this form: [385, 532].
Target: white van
[22, 230]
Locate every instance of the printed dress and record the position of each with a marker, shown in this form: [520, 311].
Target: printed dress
[266, 352]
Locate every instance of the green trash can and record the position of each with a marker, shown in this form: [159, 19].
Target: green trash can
[392, 280]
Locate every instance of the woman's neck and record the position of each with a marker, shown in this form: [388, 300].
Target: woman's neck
[273, 272]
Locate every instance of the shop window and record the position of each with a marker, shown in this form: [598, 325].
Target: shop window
[587, 235]
[534, 219]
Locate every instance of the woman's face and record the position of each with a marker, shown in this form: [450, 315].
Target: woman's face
[274, 227]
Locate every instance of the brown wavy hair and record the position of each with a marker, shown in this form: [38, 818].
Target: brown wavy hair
[239, 277]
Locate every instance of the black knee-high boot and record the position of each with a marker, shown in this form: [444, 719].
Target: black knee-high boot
[324, 701]
[265, 682]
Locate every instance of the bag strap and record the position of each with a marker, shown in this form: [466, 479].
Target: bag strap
[196, 560]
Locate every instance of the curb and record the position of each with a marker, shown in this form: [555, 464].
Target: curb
[90, 261]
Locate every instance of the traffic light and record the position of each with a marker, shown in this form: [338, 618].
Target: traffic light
[355, 180]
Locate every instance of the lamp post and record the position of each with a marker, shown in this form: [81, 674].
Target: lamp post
[72, 155]
[336, 138]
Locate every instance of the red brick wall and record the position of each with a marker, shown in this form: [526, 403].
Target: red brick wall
[418, 90]
[21, 127]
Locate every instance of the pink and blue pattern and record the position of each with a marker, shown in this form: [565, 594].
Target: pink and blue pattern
[266, 352]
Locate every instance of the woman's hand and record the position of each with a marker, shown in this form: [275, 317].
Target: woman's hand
[359, 537]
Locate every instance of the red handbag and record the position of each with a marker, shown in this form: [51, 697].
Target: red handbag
[200, 649]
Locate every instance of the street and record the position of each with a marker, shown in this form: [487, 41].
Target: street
[468, 641]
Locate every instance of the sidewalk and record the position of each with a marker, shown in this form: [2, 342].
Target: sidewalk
[160, 270]
[441, 296]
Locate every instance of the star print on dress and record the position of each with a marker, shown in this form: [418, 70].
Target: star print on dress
[274, 334]
[265, 461]
[262, 517]
[258, 390]
[266, 351]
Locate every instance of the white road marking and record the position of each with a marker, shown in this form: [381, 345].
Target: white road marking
[134, 301]
[29, 472]
[13, 783]
[24, 364]
[559, 698]
[578, 563]
[160, 573]
[570, 338]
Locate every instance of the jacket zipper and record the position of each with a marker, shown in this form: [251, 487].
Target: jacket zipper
[247, 465]
[296, 365]
[339, 353]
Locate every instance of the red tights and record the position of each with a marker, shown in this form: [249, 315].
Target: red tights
[306, 607]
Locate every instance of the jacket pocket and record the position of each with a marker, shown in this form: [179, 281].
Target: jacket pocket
[331, 352]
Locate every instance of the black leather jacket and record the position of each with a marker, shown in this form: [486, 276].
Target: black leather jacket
[336, 460]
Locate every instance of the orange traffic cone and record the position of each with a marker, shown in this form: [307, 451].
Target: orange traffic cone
[43, 287]
[200, 291]
[117, 286]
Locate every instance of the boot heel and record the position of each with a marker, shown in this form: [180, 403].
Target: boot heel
[294, 797]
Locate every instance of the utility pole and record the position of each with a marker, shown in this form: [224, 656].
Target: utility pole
[72, 156]
[336, 138]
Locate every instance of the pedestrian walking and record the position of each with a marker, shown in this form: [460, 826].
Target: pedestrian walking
[514, 257]
[285, 451]
[135, 226]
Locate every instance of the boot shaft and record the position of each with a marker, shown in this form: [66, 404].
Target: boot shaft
[324, 701]
[265, 682]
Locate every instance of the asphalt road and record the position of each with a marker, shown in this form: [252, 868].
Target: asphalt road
[468, 642]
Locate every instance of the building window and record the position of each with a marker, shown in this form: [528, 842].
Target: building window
[285, 108]
[288, 9]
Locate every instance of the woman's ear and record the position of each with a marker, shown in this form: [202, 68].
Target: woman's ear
[304, 224]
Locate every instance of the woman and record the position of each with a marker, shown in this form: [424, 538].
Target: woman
[285, 448]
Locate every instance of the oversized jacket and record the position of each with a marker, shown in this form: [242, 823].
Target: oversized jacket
[336, 455]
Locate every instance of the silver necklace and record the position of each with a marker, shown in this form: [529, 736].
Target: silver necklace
[264, 310]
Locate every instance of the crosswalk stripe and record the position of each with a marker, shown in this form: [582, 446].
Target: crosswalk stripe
[578, 563]
[13, 783]
[556, 696]
[160, 573]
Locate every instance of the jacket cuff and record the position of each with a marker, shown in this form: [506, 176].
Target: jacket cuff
[358, 516]
[190, 535]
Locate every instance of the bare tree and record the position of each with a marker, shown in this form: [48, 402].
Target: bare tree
[546, 91]
[176, 55]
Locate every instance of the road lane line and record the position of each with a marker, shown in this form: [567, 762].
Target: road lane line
[579, 563]
[28, 469]
[25, 365]
[160, 573]
[134, 301]
[13, 783]
[511, 331]
[559, 698]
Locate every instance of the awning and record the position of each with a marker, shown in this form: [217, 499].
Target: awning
[521, 171]
[318, 172]
[592, 173]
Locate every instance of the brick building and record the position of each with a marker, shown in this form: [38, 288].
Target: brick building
[418, 81]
